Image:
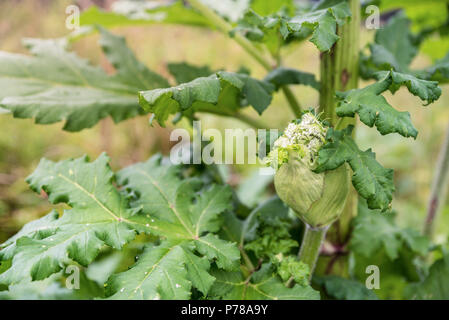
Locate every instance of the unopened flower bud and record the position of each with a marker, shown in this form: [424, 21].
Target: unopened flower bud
[317, 198]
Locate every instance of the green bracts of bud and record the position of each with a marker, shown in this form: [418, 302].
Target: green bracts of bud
[317, 198]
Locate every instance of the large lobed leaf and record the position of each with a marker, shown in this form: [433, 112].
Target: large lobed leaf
[184, 214]
[99, 216]
[222, 93]
[372, 181]
[155, 200]
[274, 30]
[373, 108]
[56, 85]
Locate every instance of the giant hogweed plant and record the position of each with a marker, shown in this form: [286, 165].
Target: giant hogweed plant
[191, 235]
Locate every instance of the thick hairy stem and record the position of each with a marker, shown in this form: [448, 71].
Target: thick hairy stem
[339, 72]
[439, 188]
[252, 50]
[311, 245]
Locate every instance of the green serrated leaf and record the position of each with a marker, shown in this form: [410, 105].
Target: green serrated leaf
[291, 267]
[262, 285]
[323, 22]
[277, 29]
[372, 181]
[426, 90]
[159, 273]
[187, 216]
[55, 85]
[223, 93]
[99, 216]
[40, 228]
[198, 271]
[373, 108]
[225, 254]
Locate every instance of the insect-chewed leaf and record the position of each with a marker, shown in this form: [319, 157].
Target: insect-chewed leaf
[185, 214]
[373, 108]
[262, 285]
[55, 85]
[223, 93]
[372, 181]
[99, 216]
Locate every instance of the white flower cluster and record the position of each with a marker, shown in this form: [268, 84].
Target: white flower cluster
[308, 136]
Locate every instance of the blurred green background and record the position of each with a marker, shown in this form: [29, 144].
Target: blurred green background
[22, 143]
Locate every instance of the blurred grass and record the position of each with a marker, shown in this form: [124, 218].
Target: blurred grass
[22, 143]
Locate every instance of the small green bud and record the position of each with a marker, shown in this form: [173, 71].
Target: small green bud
[317, 198]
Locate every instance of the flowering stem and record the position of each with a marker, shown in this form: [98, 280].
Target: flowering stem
[439, 188]
[311, 245]
[252, 50]
[339, 72]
